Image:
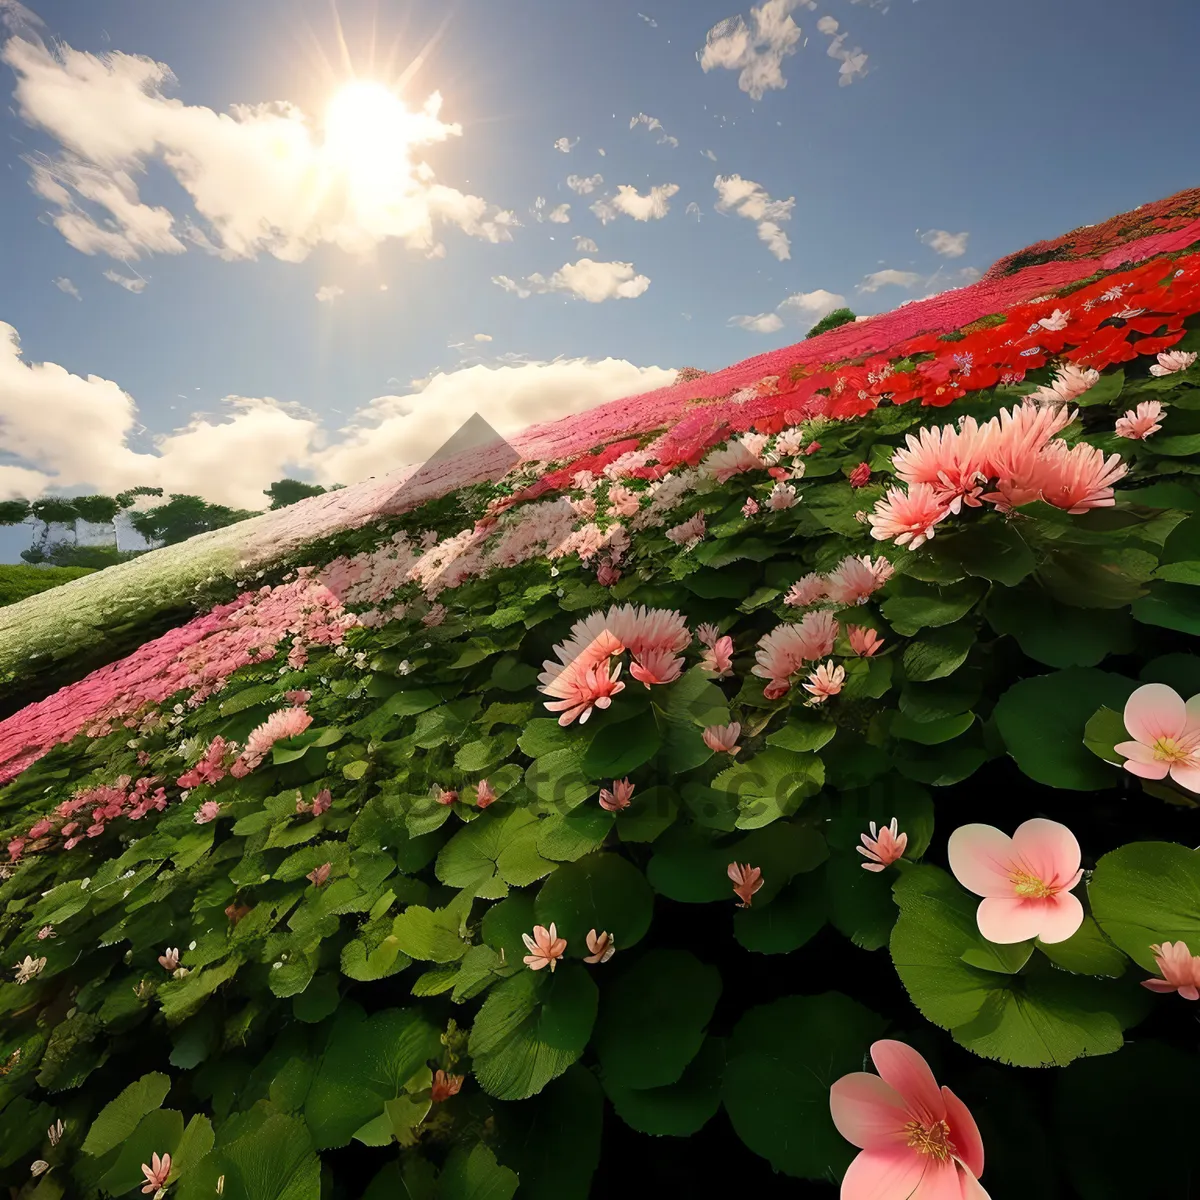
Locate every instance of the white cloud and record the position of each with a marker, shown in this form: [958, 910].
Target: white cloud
[651, 207]
[602, 152]
[805, 308]
[751, 200]
[483, 337]
[585, 245]
[135, 285]
[583, 184]
[65, 285]
[948, 245]
[67, 431]
[566, 145]
[559, 215]
[879, 279]
[756, 51]
[827, 25]
[261, 178]
[854, 62]
[649, 20]
[17, 17]
[653, 124]
[709, 155]
[590, 281]
[329, 292]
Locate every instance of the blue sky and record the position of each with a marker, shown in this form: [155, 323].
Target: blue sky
[1007, 122]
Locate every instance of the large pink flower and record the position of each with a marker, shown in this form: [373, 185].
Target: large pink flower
[783, 651]
[855, 579]
[1166, 736]
[918, 1141]
[908, 518]
[1025, 880]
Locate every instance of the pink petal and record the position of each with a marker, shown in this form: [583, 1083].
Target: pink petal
[1061, 919]
[972, 1189]
[1151, 770]
[1136, 751]
[1050, 849]
[1187, 777]
[909, 1074]
[1008, 919]
[883, 1175]
[1192, 715]
[868, 1112]
[941, 1181]
[981, 858]
[1153, 711]
[964, 1133]
[1158, 985]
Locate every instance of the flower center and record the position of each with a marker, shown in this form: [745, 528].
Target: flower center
[930, 1139]
[1172, 750]
[1030, 886]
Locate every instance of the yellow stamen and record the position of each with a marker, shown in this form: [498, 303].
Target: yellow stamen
[1030, 886]
[930, 1139]
[1167, 749]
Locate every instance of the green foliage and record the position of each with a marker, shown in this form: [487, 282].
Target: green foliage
[17, 582]
[839, 316]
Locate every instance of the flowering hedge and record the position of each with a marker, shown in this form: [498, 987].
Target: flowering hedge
[844, 721]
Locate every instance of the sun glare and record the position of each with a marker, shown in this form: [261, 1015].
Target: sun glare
[363, 120]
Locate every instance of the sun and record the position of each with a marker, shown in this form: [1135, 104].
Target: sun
[365, 120]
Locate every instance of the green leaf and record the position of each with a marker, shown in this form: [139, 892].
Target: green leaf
[366, 1063]
[651, 811]
[370, 964]
[475, 1175]
[931, 733]
[601, 892]
[475, 757]
[1042, 721]
[117, 1120]
[802, 734]
[1103, 731]
[989, 550]
[1180, 671]
[531, 1029]
[262, 1157]
[794, 916]
[1170, 606]
[860, 902]
[495, 850]
[938, 654]
[771, 785]
[558, 780]
[1086, 952]
[679, 1109]
[564, 837]
[617, 749]
[157, 1132]
[1056, 635]
[432, 936]
[783, 1059]
[653, 1018]
[1107, 390]
[915, 606]
[1145, 894]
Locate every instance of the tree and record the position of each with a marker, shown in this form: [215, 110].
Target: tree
[839, 316]
[287, 491]
[183, 517]
[14, 512]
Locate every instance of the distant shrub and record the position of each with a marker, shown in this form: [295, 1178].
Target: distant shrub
[18, 581]
[839, 316]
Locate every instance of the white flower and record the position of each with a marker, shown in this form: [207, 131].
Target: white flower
[39, 1167]
[31, 968]
[1171, 361]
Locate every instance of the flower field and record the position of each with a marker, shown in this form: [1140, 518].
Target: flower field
[784, 780]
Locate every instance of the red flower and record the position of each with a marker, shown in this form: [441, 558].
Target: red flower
[861, 475]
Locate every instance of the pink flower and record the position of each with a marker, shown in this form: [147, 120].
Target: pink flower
[1079, 477]
[435, 616]
[908, 518]
[750, 508]
[40, 828]
[297, 696]
[579, 690]
[863, 641]
[827, 680]
[485, 794]
[746, 881]
[286, 723]
[722, 739]
[169, 961]
[1139, 423]
[722, 465]
[918, 1142]
[807, 590]
[1070, 382]
[624, 501]
[156, 1175]
[545, 947]
[1180, 971]
[812, 447]
[1026, 880]
[689, 533]
[602, 947]
[16, 848]
[1166, 736]
[618, 798]
[1170, 361]
[718, 658]
[321, 802]
[46, 931]
[1056, 321]
[783, 651]
[861, 475]
[882, 848]
[607, 574]
[856, 579]
[443, 795]
[782, 496]
[950, 460]
[319, 875]
[707, 635]
[656, 666]
[208, 811]
[444, 1086]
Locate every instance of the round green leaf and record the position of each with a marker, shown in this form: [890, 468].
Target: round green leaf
[602, 892]
[679, 1109]
[1056, 635]
[618, 749]
[788, 921]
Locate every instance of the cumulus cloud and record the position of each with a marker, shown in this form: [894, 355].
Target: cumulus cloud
[585, 245]
[556, 216]
[653, 124]
[136, 284]
[751, 200]
[756, 51]
[804, 309]
[588, 280]
[854, 62]
[583, 184]
[261, 178]
[948, 245]
[889, 277]
[483, 337]
[65, 285]
[65, 431]
[651, 207]
[329, 292]
[566, 145]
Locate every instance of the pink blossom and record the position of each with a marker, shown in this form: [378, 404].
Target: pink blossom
[827, 680]
[1170, 361]
[718, 658]
[16, 848]
[602, 947]
[485, 794]
[321, 802]
[807, 590]
[319, 875]
[1069, 384]
[783, 496]
[722, 465]
[908, 518]
[861, 475]
[1056, 321]
[444, 1086]
[882, 848]
[298, 696]
[156, 1175]
[952, 461]
[1139, 423]
[40, 828]
[623, 500]
[855, 579]
[607, 574]
[1166, 736]
[285, 723]
[208, 811]
[645, 631]
[1078, 478]
[917, 1142]
[863, 641]
[618, 798]
[1179, 968]
[722, 739]
[746, 881]
[707, 634]
[578, 691]
[656, 667]
[750, 508]
[689, 533]
[545, 948]
[783, 651]
[46, 931]
[443, 795]
[1025, 880]
[169, 960]
[435, 616]
[812, 447]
